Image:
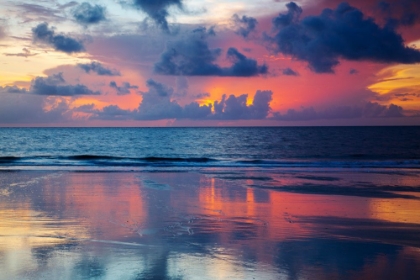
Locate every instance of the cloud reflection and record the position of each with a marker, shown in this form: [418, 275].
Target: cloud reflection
[127, 226]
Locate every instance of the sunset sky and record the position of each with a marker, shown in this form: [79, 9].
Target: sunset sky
[209, 63]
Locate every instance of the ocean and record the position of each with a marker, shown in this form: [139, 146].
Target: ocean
[262, 147]
[210, 203]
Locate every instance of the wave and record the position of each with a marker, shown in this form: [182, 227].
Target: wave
[8, 159]
[151, 161]
[146, 159]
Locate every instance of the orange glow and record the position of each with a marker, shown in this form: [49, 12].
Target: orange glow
[401, 83]
[87, 101]
[396, 210]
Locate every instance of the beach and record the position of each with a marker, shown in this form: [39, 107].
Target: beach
[210, 140]
[211, 223]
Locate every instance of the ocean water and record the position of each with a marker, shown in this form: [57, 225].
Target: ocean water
[210, 203]
[268, 147]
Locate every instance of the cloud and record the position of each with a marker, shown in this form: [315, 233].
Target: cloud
[25, 53]
[112, 112]
[182, 86]
[87, 14]
[12, 89]
[343, 33]
[353, 71]
[54, 85]
[290, 72]
[401, 12]
[195, 111]
[368, 110]
[99, 69]
[67, 5]
[236, 108]
[193, 57]
[158, 10]
[203, 32]
[244, 25]
[158, 104]
[34, 12]
[42, 33]
[123, 89]
[242, 66]
[18, 107]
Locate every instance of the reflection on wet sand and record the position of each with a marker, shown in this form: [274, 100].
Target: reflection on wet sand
[133, 225]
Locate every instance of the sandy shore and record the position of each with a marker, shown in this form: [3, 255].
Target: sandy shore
[211, 224]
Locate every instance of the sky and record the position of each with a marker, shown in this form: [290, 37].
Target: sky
[209, 63]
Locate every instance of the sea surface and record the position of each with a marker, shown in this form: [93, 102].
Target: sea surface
[268, 147]
[210, 203]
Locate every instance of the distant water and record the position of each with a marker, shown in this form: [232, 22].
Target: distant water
[261, 147]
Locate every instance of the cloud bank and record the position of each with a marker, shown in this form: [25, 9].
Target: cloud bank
[53, 85]
[158, 104]
[368, 110]
[334, 34]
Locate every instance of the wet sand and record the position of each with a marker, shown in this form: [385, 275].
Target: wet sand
[210, 224]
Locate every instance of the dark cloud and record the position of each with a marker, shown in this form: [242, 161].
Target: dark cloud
[242, 66]
[369, 110]
[353, 71]
[157, 103]
[236, 108]
[244, 25]
[56, 85]
[42, 33]
[112, 112]
[193, 57]
[290, 72]
[25, 53]
[123, 89]
[341, 33]
[188, 57]
[12, 89]
[87, 14]
[401, 12]
[195, 111]
[203, 32]
[99, 69]
[158, 10]
[51, 85]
